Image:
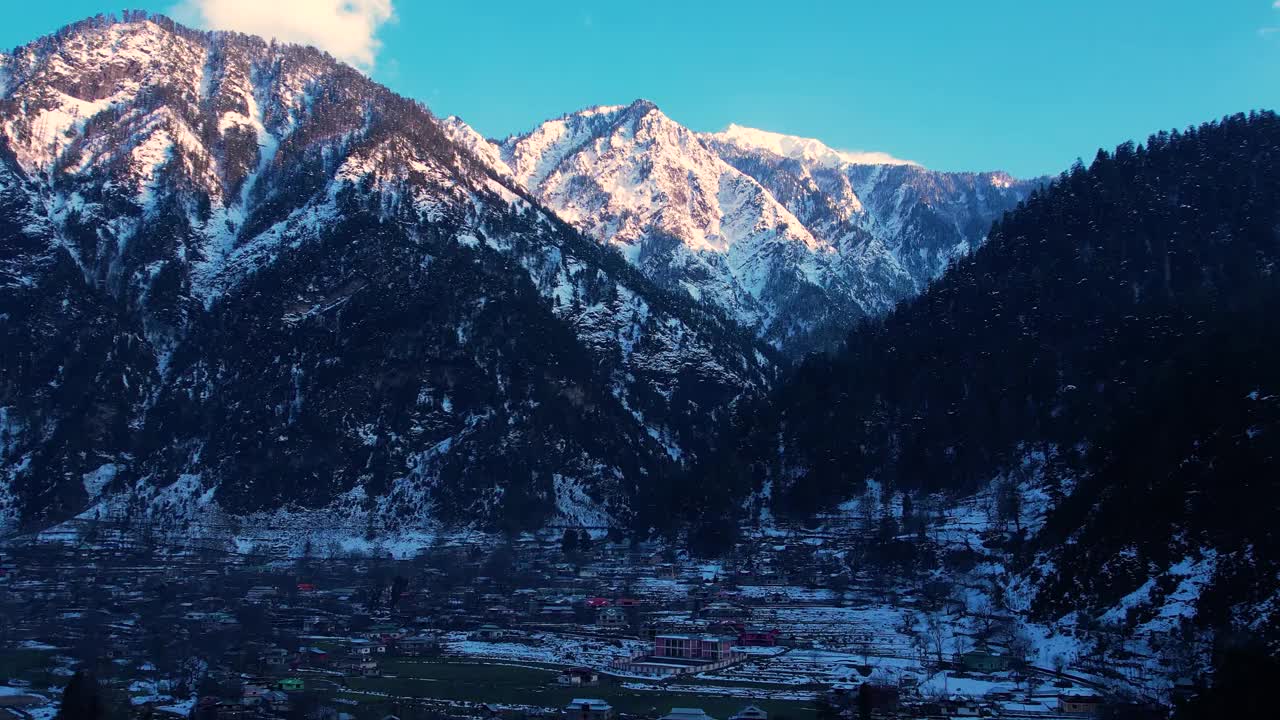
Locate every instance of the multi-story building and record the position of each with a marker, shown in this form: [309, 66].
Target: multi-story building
[711, 648]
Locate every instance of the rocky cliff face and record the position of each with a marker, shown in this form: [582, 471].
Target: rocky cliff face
[917, 220]
[784, 235]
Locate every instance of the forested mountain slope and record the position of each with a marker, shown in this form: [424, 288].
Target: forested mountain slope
[241, 277]
[1119, 325]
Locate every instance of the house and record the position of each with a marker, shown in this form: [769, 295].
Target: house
[984, 661]
[365, 648]
[500, 613]
[274, 657]
[209, 707]
[598, 602]
[687, 714]
[418, 645]
[693, 647]
[365, 665]
[964, 707]
[384, 632]
[750, 712]
[758, 637]
[724, 610]
[589, 709]
[488, 633]
[1083, 703]
[252, 695]
[612, 617]
[276, 701]
[316, 623]
[579, 677]
[729, 628]
[848, 697]
[678, 654]
[291, 685]
[557, 613]
[153, 709]
[260, 594]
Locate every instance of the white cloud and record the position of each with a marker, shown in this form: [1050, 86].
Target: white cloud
[864, 157]
[800, 148]
[346, 29]
[1269, 31]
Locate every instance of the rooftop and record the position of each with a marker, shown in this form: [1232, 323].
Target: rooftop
[687, 714]
[704, 638]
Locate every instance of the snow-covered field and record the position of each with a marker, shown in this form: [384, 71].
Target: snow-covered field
[544, 648]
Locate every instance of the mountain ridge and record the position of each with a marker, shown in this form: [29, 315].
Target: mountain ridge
[719, 221]
[1109, 356]
[802, 148]
[173, 191]
[177, 192]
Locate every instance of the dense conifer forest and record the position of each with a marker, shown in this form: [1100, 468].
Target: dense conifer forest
[1118, 327]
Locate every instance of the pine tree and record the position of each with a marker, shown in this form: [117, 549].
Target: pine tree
[569, 543]
[82, 699]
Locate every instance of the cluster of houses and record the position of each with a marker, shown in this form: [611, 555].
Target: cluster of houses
[850, 701]
[327, 622]
[597, 709]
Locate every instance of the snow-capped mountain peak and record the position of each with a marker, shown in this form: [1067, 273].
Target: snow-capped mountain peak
[537, 154]
[232, 255]
[770, 229]
[281, 264]
[485, 150]
[636, 180]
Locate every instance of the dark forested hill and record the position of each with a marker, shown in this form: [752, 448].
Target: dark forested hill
[1121, 322]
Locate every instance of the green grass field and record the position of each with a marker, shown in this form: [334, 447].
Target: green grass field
[33, 665]
[506, 684]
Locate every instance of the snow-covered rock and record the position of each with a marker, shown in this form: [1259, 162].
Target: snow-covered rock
[902, 221]
[769, 229]
[246, 279]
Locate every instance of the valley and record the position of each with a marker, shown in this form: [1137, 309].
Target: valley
[477, 627]
[315, 405]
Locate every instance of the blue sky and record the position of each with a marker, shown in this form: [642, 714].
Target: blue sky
[1021, 85]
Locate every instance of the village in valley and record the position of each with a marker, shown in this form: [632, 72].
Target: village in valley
[573, 623]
